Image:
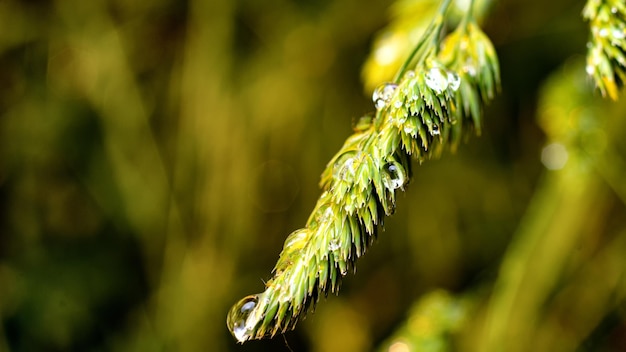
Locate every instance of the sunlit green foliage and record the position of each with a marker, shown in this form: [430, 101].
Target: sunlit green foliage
[427, 108]
[606, 57]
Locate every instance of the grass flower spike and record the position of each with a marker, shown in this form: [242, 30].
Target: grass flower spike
[606, 56]
[435, 100]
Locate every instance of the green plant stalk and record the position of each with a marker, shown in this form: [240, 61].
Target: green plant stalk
[434, 27]
[564, 208]
[416, 117]
[549, 233]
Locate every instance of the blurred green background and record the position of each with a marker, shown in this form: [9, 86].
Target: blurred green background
[154, 155]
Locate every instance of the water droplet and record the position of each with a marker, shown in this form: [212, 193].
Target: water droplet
[397, 104]
[410, 130]
[613, 10]
[454, 80]
[393, 177]
[435, 130]
[603, 33]
[328, 215]
[590, 69]
[382, 95]
[436, 79]
[409, 74]
[617, 33]
[333, 245]
[344, 168]
[237, 320]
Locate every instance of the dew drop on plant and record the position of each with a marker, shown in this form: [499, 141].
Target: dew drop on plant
[333, 245]
[454, 80]
[614, 10]
[382, 95]
[238, 317]
[344, 168]
[409, 74]
[410, 130]
[324, 215]
[435, 130]
[436, 79]
[397, 104]
[393, 177]
[617, 33]
[590, 69]
[604, 33]
[328, 215]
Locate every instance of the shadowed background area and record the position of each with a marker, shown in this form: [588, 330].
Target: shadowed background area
[154, 155]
